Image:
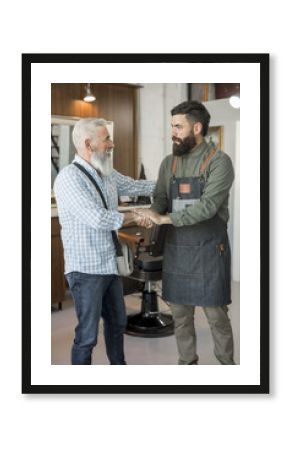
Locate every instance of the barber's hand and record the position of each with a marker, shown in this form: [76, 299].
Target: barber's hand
[149, 214]
[142, 221]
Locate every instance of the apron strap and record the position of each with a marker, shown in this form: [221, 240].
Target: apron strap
[205, 163]
[173, 167]
[118, 247]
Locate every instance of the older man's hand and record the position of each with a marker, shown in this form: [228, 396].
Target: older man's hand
[142, 221]
[153, 216]
[149, 214]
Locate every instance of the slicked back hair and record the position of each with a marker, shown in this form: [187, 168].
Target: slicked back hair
[195, 112]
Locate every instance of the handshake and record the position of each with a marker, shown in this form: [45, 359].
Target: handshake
[148, 217]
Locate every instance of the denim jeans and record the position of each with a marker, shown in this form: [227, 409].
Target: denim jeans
[97, 296]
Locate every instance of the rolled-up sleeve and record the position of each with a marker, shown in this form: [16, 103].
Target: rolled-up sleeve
[160, 203]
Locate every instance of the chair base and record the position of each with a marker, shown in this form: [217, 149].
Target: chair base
[160, 325]
[150, 322]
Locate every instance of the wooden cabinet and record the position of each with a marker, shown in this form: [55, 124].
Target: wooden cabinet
[57, 264]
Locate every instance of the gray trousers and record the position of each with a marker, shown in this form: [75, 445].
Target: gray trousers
[220, 327]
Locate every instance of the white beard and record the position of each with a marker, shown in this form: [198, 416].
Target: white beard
[103, 163]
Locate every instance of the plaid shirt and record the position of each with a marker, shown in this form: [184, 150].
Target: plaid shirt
[85, 223]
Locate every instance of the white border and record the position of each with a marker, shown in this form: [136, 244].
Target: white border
[248, 372]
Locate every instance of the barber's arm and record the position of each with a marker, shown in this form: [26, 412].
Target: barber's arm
[160, 204]
[160, 196]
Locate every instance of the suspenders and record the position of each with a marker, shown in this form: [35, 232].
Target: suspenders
[117, 244]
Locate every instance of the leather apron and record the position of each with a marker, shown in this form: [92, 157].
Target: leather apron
[196, 260]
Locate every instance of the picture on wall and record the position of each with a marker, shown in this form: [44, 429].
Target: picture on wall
[215, 137]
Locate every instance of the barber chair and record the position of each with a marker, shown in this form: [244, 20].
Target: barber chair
[149, 322]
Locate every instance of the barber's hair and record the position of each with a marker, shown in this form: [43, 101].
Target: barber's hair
[86, 129]
[195, 112]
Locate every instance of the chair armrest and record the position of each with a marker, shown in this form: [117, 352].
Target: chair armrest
[130, 239]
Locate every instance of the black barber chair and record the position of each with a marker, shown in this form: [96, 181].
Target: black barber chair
[149, 322]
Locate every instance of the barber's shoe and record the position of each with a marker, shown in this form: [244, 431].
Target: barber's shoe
[184, 363]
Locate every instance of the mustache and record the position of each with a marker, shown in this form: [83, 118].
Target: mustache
[176, 139]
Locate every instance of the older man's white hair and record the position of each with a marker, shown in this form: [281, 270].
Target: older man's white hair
[86, 129]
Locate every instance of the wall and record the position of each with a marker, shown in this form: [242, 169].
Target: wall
[236, 209]
[223, 114]
[155, 102]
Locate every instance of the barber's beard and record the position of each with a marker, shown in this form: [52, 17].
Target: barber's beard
[103, 162]
[183, 146]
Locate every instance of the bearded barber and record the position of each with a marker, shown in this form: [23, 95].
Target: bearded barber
[86, 230]
[191, 196]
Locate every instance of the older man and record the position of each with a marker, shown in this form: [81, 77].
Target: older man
[86, 229]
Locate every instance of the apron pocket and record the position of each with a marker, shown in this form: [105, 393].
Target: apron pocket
[216, 263]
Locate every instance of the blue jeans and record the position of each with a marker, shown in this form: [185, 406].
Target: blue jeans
[97, 296]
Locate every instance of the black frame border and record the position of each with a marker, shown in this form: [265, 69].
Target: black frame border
[122, 58]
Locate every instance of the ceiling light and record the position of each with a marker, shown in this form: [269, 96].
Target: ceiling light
[89, 96]
[234, 101]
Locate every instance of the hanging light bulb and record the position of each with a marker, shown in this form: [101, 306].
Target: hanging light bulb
[89, 96]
